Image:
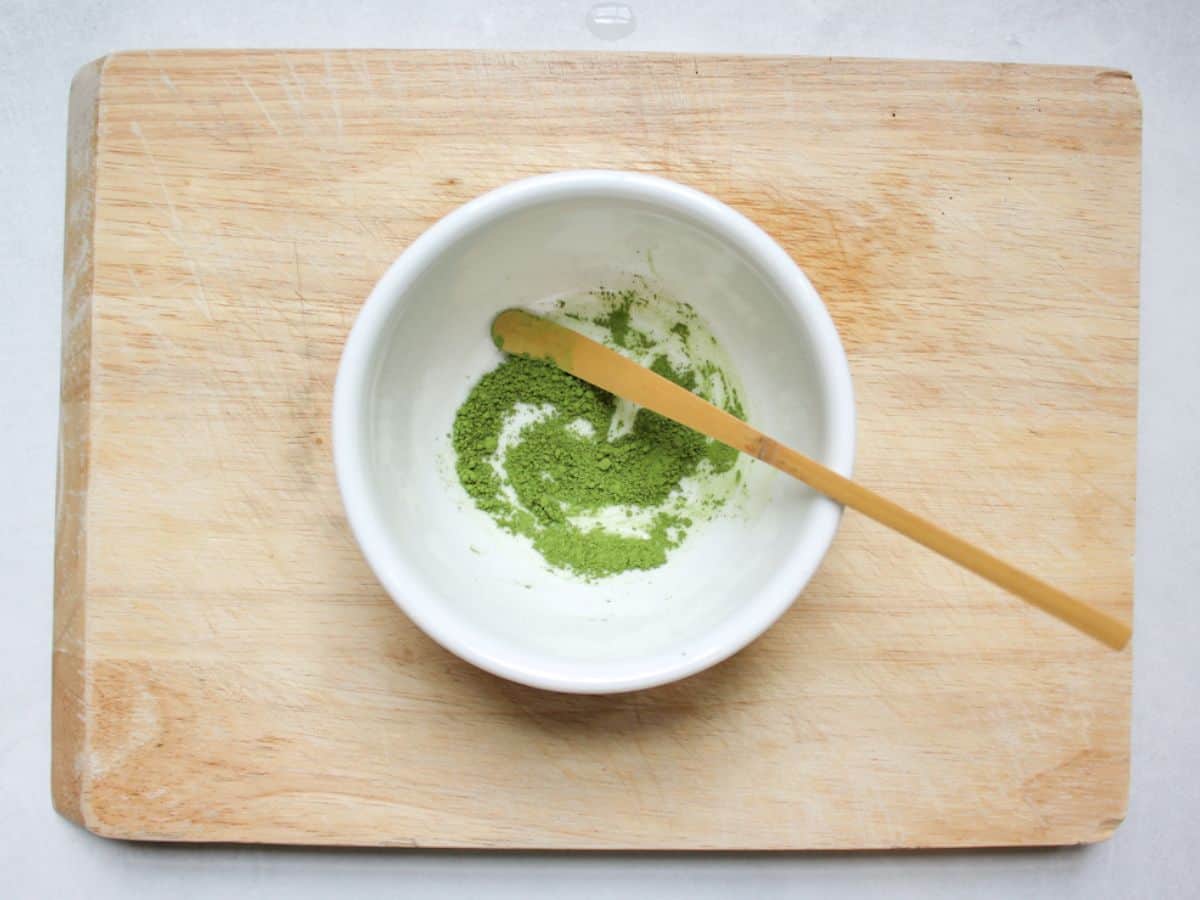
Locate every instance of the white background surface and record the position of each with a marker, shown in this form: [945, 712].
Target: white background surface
[1152, 855]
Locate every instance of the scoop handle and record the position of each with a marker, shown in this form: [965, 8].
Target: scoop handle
[520, 332]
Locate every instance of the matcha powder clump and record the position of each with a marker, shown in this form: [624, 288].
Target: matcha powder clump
[550, 457]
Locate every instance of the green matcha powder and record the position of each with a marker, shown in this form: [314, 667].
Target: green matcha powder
[563, 465]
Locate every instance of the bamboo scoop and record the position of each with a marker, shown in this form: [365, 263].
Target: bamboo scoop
[519, 332]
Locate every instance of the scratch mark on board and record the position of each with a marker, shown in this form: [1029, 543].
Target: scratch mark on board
[295, 104]
[262, 107]
[837, 236]
[331, 86]
[136, 128]
[177, 229]
[296, 79]
[365, 73]
[162, 72]
[202, 297]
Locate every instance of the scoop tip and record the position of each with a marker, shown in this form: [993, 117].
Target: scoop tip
[503, 322]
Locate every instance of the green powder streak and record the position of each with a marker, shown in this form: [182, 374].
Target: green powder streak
[564, 465]
[617, 320]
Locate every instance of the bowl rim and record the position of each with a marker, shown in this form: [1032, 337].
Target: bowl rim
[353, 384]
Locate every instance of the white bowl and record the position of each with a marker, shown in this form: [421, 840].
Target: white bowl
[422, 340]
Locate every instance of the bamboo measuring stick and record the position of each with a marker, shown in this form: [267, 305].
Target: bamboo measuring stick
[520, 332]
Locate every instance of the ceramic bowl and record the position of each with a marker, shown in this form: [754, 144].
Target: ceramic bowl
[422, 340]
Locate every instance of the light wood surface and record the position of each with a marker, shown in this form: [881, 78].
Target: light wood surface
[521, 332]
[227, 669]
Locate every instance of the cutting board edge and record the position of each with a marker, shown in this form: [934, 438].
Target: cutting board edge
[69, 775]
[1096, 70]
[284, 837]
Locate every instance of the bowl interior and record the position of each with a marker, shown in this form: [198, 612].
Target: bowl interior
[480, 590]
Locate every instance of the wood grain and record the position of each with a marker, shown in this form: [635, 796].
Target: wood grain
[226, 668]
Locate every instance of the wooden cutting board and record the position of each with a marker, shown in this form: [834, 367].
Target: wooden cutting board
[227, 669]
